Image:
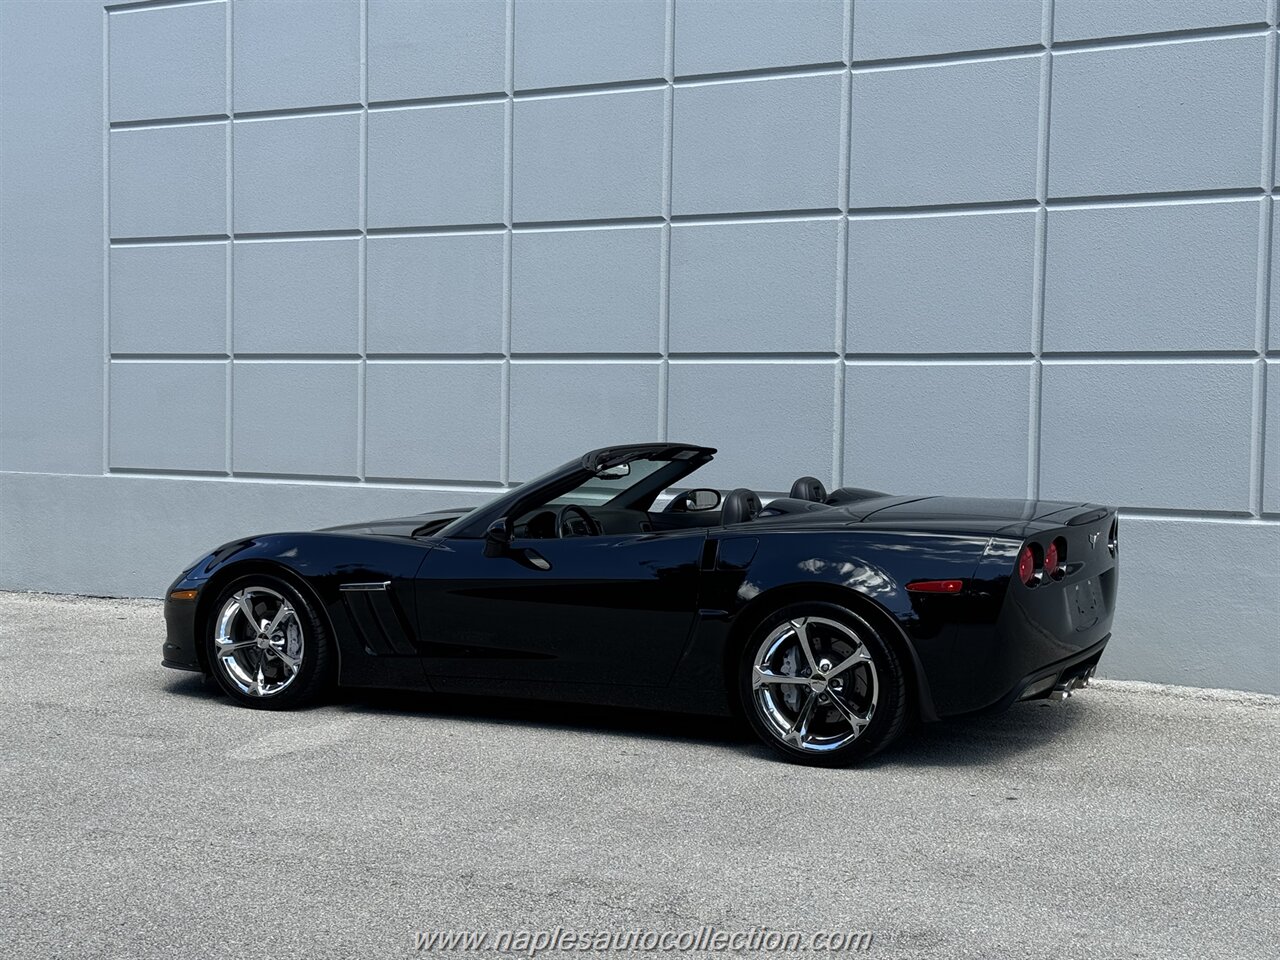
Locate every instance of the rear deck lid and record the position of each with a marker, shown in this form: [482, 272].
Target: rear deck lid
[966, 508]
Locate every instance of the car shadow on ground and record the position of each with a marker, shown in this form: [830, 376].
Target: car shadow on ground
[990, 738]
[502, 711]
[194, 686]
[975, 740]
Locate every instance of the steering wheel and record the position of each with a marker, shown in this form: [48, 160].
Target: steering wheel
[562, 521]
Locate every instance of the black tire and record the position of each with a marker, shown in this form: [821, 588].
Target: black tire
[316, 672]
[882, 684]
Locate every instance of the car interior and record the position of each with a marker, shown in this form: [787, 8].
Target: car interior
[694, 507]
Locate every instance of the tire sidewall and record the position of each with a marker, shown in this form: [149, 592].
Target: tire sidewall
[885, 723]
[314, 652]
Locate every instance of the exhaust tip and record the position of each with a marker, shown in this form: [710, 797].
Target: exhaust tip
[1063, 688]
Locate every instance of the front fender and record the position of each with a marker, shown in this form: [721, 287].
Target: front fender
[320, 563]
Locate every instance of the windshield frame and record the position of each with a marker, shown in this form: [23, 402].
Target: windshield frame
[684, 459]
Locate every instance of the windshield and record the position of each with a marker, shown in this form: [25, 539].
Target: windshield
[626, 476]
[608, 484]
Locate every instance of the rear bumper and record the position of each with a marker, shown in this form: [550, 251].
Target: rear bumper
[1041, 683]
[1009, 637]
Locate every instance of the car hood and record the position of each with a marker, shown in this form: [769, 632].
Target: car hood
[398, 526]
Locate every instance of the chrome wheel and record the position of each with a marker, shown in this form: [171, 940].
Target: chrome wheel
[814, 684]
[258, 641]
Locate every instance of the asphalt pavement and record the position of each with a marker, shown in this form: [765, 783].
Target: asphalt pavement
[143, 815]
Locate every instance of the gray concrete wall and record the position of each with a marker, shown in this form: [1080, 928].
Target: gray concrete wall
[277, 263]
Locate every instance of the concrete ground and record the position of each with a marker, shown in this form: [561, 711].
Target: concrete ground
[142, 815]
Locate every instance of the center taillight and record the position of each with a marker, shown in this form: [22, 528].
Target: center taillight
[1055, 558]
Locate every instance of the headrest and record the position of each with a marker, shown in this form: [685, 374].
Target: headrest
[739, 507]
[809, 488]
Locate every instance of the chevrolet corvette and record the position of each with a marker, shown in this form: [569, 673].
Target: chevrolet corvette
[828, 620]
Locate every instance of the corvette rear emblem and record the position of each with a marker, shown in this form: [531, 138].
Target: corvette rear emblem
[1093, 540]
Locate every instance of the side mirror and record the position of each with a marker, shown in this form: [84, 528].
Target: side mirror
[697, 500]
[703, 499]
[497, 538]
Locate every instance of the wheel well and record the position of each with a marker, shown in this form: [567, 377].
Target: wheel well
[884, 623]
[210, 591]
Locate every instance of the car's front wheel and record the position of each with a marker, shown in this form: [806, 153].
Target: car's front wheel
[267, 646]
[820, 685]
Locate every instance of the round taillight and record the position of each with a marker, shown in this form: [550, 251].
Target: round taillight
[1055, 558]
[1027, 565]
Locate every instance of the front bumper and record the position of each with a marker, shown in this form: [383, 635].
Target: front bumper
[179, 651]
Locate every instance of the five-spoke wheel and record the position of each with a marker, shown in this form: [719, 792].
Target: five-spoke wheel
[266, 645]
[820, 684]
[258, 641]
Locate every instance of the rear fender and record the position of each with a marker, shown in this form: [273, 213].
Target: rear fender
[864, 570]
[860, 604]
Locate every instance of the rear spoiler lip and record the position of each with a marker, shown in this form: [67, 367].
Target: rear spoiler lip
[1089, 516]
[1076, 515]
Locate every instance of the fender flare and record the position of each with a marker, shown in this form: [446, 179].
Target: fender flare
[761, 605]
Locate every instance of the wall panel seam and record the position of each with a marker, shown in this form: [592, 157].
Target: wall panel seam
[362, 269]
[508, 242]
[745, 75]
[106, 242]
[1243, 518]
[664, 263]
[840, 413]
[127, 5]
[230, 292]
[1266, 241]
[754, 73]
[1041, 264]
[759, 216]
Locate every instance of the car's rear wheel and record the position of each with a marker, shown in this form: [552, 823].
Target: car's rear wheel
[820, 685]
[267, 646]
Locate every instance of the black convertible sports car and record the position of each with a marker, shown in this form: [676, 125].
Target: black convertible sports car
[827, 620]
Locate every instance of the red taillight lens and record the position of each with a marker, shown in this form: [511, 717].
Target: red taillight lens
[1027, 565]
[1055, 558]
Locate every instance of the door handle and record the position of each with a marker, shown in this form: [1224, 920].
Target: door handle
[534, 559]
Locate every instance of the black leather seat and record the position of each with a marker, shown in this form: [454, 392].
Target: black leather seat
[740, 506]
[809, 488]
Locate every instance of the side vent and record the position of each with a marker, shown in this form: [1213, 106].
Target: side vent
[378, 618]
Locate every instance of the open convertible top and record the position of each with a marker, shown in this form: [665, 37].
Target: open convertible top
[612, 456]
